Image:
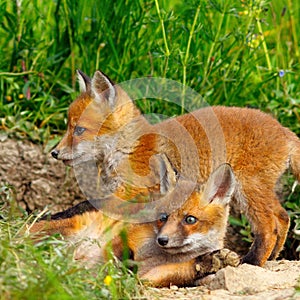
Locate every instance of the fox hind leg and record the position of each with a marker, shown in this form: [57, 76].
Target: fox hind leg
[283, 222]
[267, 238]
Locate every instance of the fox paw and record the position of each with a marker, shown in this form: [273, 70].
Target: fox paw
[214, 261]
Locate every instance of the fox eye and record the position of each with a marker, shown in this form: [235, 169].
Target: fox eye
[79, 130]
[163, 218]
[190, 220]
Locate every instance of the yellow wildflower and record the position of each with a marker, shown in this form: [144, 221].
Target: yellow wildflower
[254, 41]
[107, 280]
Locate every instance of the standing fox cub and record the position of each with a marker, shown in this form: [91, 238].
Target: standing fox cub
[104, 125]
[179, 248]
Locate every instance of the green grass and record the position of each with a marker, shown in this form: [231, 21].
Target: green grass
[232, 52]
[243, 53]
[47, 270]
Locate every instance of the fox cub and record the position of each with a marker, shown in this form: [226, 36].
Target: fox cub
[104, 125]
[178, 248]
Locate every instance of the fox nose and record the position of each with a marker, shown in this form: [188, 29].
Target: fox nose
[55, 153]
[163, 240]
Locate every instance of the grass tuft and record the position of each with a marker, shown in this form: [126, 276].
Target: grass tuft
[243, 53]
[47, 270]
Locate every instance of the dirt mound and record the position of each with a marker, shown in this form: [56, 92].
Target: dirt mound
[38, 179]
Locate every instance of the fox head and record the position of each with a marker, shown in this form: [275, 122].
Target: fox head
[199, 226]
[102, 108]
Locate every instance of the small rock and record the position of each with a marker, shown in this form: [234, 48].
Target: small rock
[252, 279]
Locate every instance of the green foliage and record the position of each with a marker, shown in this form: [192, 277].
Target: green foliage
[297, 288]
[245, 228]
[292, 205]
[47, 270]
[243, 53]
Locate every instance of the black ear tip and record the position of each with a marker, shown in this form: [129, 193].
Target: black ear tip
[225, 173]
[78, 71]
[227, 165]
[227, 168]
[101, 75]
[86, 78]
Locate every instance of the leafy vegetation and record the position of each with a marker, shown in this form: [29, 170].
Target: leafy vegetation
[240, 52]
[47, 270]
[232, 52]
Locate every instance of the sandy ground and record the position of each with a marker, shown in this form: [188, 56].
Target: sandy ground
[277, 280]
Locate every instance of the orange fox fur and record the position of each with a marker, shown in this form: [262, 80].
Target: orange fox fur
[168, 251]
[104, 125]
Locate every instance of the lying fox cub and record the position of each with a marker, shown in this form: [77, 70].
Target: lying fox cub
[178, 248]
[105, 125]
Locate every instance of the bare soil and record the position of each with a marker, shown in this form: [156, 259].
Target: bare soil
[37, 178]
[39, 181]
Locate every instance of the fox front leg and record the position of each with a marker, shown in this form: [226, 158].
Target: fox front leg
[190, 272]
[180, 274]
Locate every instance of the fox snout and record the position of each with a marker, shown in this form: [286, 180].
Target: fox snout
[55, 153]
[162, 240]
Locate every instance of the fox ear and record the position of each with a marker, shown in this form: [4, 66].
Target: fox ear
[220, 185]
[168, 175]
[103, 89]
[84, 81]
